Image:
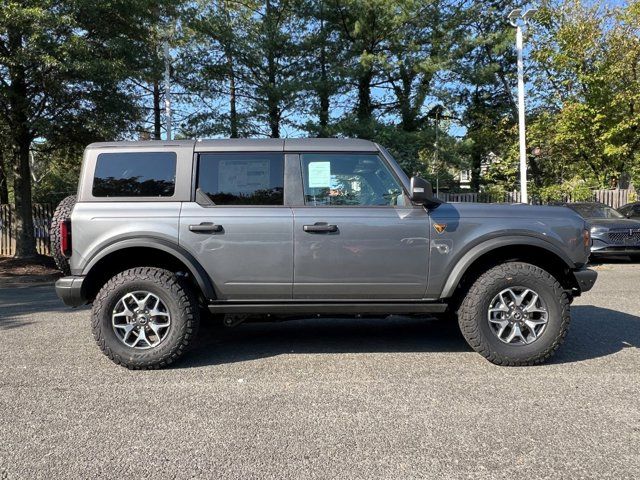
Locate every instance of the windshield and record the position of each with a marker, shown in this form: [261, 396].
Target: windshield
[595, 211]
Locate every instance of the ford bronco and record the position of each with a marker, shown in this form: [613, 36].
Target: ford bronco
[162, 233]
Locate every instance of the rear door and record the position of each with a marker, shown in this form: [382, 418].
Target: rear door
[244, 238]
[358, 236]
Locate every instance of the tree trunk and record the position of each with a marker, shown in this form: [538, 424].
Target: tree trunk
[407, 113]
[476, 163]
[157, 122]
[25, 241]
[323, 93]
[20, 137]
[273, 108]
[4, 180]
[323, 87]
[364, 109]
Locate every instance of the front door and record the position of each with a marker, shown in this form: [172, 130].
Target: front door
[244, 239]
[358, 237]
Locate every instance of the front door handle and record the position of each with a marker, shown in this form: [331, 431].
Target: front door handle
[205, 227]
[320, 228]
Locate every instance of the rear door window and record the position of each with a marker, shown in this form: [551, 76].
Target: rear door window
[132, 174]
[242, 178]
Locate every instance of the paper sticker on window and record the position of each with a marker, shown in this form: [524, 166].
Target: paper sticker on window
[319, 175]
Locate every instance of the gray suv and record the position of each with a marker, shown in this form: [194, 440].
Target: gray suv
[163, 233]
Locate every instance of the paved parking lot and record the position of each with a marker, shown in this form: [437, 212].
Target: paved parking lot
[329, 398]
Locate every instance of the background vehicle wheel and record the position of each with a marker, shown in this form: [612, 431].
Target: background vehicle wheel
[60, 214]
[515, 314]
[144, 318]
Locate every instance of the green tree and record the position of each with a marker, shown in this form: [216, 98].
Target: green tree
[587, 89]
[62, 72]
[248, 53]
[483, 79]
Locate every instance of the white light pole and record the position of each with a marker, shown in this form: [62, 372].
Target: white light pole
[517, 19]
[167, 86]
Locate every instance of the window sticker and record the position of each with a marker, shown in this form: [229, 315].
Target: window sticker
[320, 175]
[243, 176]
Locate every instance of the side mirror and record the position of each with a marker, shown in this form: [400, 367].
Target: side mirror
[421, 192]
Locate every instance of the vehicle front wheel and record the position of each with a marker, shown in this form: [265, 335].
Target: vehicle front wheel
[144, 318]
[515, 314]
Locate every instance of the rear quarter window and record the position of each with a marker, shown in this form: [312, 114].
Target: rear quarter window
[132, 174]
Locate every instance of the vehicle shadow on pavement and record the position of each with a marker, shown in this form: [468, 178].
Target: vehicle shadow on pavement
[250, 341]
[17, 304]
[595, 332]
[598, 332]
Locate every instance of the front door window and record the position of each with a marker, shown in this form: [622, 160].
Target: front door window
[349, 180]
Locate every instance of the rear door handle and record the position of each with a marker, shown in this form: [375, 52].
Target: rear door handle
[205, 227]
[320, 228]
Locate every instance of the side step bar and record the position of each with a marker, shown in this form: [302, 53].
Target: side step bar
[313, 308]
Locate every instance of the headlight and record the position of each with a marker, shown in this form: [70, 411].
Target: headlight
[596, 230]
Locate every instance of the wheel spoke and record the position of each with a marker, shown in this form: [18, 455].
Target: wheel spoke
[127, 332]
[500, 308]
[142, 304]
[503, 324]
[534, 309]
[533, 324]
[515, 333]
[532, 301]
[125, 312]
[511, 294]
[142, 335]
[156, 327]
[520, 298]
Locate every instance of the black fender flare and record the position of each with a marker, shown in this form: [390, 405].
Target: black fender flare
[473, 253]
[195, 268]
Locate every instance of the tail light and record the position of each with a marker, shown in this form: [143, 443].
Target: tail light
[65, 238]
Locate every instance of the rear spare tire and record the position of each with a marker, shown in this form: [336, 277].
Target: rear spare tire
[61, 214]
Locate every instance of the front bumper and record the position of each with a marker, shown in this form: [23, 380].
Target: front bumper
[585, 278]
[69, 290]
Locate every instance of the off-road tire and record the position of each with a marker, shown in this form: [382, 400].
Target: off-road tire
[60, 214]
[472, 314]
[174, 292]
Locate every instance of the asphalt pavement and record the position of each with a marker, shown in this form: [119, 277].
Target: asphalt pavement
[322, 398]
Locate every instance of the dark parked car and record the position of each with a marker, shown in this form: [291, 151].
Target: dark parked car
[611, 231]
[631, 210]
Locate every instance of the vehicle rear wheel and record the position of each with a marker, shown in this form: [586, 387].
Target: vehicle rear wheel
[515, 314]
[60, 214]
[144, 318]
